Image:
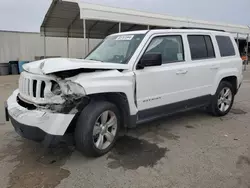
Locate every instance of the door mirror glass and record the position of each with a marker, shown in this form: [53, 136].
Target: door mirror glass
[150, 59]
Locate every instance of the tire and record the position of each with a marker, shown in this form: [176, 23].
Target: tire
[88, 138]
[216, 108]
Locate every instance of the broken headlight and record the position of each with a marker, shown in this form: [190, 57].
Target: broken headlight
[55, 88]
[71, 88]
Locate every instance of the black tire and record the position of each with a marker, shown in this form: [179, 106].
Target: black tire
[85, 125]
[213, 107]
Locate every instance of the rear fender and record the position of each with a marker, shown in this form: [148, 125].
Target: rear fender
[223, 74]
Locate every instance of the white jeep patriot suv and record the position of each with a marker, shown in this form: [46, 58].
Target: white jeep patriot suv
[130, 78]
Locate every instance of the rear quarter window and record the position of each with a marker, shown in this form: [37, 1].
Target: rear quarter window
[225, 45]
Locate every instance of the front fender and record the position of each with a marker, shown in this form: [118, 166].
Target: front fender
[110, 82]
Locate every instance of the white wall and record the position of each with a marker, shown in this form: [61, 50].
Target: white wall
[26, 46]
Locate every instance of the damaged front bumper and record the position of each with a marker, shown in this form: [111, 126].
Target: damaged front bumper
[37, 125]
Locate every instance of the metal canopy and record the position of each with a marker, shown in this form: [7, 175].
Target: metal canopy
[65, 19]
[77, 19]
[62, 20]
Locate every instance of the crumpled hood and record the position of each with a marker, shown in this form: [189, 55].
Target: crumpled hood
[52, 65]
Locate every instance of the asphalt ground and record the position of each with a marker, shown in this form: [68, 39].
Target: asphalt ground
[191, 149]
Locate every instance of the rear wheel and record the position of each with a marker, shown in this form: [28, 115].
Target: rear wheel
[223, 99]
[97, 128]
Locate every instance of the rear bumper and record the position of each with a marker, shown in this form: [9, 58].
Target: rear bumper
[36, 125]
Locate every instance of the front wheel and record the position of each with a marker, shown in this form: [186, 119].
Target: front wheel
[223, 99]
[97, 128]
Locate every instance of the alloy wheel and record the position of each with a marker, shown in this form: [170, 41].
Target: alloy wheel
[225, 99]
[105, 130]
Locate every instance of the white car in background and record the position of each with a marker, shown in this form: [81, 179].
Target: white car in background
[130, 78]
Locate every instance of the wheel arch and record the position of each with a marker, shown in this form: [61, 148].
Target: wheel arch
[229, 76]
[233, 81]
[120, 100]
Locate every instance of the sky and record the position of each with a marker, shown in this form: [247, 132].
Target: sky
[27, 15]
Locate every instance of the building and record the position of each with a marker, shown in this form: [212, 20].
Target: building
[71, 28]
[23, 46]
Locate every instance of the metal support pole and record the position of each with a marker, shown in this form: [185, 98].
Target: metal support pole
[120, 27]
[245, 66]
[68, 46]
[68, 43]
[84, 37]
[68, 32]
[44, 44]
[238, 40]
[88, 44]
[148, 27]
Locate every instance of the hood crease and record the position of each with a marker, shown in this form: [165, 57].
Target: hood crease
[53, 65]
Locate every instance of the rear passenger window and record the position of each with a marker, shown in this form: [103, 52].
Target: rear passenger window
[201, 47]
[225, 45]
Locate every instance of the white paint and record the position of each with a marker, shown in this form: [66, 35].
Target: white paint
[67, 87]
[167, 84]
[175, 82]
[109, 81]
[52, 123]
[61, 64]
[26, 89]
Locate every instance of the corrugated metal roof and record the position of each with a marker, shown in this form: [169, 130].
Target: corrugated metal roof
[64, 18]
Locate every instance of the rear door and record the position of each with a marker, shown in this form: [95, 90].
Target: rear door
[204, 63]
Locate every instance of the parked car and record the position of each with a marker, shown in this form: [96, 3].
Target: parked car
[129, 79]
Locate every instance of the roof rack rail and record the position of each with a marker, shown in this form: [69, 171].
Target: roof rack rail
[202, 28]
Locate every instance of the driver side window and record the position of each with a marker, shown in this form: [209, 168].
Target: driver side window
[170, 47]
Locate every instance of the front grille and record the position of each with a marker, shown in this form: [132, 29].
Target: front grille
[36, 88]
[33, 88]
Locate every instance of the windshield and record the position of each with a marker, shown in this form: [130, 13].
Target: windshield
[116, 49]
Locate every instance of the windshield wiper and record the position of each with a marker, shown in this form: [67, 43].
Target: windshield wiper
[95, 60]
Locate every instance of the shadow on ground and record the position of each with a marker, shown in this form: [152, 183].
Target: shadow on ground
[132, 153]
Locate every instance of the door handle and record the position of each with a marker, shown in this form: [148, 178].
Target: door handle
[181, 72]
[215, 67]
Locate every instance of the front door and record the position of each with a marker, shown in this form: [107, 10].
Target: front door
[161, 88]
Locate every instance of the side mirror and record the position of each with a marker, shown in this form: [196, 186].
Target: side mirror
[150, 59]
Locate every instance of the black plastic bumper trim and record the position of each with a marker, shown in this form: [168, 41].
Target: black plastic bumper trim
[34, 133]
